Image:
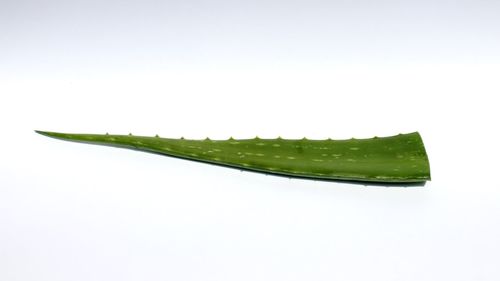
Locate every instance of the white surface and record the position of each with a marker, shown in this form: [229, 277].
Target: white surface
[78, 212]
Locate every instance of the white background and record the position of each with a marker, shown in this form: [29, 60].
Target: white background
[212, 68]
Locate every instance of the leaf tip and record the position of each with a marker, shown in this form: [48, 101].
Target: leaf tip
[44, 133]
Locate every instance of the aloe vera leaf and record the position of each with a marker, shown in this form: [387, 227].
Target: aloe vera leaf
[395, 159]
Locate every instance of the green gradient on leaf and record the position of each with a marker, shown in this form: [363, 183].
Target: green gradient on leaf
[394, 159]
